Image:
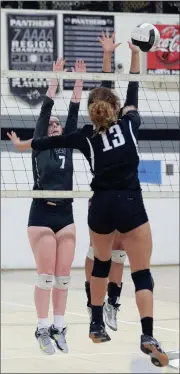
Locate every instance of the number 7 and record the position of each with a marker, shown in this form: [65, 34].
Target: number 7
[63, 161]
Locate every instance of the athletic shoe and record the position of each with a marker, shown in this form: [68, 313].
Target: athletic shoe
[89, 310]
[59, 337]
[150, 346]
[98, 333]
[110, 314]
[45, 343]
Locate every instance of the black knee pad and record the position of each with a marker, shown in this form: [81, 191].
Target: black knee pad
[101, 269]
[114, 290]
[142, 280]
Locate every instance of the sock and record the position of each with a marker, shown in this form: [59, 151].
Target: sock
[42, 323]
[58, 321]
[88, 292]
[114, 292]
[147, 326]
[97, 314]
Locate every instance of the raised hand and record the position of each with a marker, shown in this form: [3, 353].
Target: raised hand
[20, 145]
[13, 137]
[80, 67]
[108, 43]
[53, 85]
[133, 47]
[59, 65]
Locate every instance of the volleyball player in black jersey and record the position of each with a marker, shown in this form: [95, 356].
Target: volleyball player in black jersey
[115, 284]
[110, 146]
[51, 228]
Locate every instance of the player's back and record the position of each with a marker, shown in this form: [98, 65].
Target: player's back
[114, 156]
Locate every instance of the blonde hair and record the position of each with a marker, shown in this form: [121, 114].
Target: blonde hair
[103, 106]
[102, 114]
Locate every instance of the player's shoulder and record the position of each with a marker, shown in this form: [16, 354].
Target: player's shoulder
[87, 130]
[133, 116]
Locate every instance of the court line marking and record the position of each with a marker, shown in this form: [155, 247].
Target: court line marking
[86, 316]
[71, 355]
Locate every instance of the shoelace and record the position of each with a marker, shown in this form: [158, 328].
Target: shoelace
[45, 336]
[114, 310]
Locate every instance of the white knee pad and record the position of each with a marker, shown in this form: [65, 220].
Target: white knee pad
[118, 256]
[62, 283]
[45, 281]
[90, 253]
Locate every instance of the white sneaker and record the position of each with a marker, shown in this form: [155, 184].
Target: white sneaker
[59, 337]
[43, 337]
[110, 314]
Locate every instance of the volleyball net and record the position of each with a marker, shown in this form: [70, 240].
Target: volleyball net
[158, 134]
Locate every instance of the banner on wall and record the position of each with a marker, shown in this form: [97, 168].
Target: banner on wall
[80, 41]
[150, 172]
[32, 45]
[165, 59]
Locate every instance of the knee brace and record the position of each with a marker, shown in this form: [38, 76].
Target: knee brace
[62, 283]
[101, 269]
[45, 281]
[90, 253]
[142, 280]
[118, 256]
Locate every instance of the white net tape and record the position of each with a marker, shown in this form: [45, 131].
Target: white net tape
[159, 109]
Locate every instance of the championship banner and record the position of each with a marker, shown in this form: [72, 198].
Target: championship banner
[32, 45]
[80, 41]
[166, 58]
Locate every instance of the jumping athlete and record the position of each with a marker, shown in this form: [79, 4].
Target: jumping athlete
[110, 146]
[51, 228]
[114, 288]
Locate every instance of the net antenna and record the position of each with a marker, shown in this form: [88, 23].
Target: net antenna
[159, 110]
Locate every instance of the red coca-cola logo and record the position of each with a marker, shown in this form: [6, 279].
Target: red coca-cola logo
[167, 51]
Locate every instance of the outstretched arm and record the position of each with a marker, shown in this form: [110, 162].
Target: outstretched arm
[132, 91]
[109, 47]
[57, 67]
[43, 120]
[73, 140]
[72, 118]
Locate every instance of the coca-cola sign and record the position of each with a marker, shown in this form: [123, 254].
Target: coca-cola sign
[165, 58]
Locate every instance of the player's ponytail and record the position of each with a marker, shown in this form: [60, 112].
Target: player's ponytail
[102, 114]
[103, 107]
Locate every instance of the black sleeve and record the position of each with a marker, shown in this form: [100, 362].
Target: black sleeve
[106, 84]
[72, 118]
[43, 120]
[135, 119]
[132, 94]
[74, 140]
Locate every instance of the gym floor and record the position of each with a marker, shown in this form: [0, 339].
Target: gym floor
[19, 349]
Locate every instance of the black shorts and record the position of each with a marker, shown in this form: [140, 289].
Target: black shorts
[116, 210]
[56, 217]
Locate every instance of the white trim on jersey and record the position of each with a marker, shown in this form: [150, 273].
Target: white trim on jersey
[37, 171]
[133, 137]
[91, 154]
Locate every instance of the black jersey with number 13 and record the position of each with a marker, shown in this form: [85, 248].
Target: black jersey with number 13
[112, 155]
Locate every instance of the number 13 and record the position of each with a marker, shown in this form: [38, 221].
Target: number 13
[117, 141]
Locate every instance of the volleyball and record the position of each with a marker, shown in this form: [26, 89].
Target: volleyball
[146, 36]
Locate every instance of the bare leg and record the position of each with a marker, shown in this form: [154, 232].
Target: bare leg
[43, 244]
[138, 246]
[64, 257]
